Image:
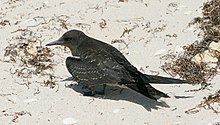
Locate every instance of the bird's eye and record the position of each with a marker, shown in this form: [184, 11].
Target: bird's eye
[68, 38]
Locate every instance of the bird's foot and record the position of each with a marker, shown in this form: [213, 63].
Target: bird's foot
[102, 91]
[88, 93]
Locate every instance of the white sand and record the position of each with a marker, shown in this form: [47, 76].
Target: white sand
[65, 106]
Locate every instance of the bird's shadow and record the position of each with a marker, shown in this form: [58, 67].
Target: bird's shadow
[119, 93]
[183, 97]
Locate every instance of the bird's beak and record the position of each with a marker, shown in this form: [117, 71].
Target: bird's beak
[57, 42]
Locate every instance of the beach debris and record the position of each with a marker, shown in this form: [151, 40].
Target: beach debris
[30, 100]
[103, 24]
[160, 52]
[212, 102]
[18, 114]
[28, 56]
[31, 57]
[69, 121]
[200, 61]
[15, 115]
[4, 23]
[116, 110]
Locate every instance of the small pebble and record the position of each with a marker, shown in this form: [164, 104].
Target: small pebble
[215, 46]
[187, 13]
[115, 110]
[30, 100]
[159, 52]
[30, 23]
[69, 121]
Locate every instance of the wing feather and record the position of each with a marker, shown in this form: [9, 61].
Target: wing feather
[96, 67]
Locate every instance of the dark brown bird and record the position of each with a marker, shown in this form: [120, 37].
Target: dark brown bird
[94, 63]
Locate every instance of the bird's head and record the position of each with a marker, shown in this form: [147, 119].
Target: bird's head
[69, 39]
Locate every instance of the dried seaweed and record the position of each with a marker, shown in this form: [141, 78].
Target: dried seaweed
[50, 82]
[119, 41]
[187, 69]
[32, 58]
[183, 65]
[62, 19]
[26, 53]
[211, 19]
[126, 30]
[12, 1]
[4, 23]
[210, 103]
[123, 1]
[103, 24]
[16, 115]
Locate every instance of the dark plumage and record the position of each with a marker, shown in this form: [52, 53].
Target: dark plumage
[97, 63]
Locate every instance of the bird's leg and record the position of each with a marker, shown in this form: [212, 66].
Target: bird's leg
[101, 92]
[90, 91]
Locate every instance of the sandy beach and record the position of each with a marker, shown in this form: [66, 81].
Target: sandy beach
[142, 30]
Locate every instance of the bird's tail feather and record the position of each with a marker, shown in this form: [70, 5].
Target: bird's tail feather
[163, 80]
[146, 90]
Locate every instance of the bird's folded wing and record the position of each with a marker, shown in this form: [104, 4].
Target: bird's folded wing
[146, 78]
[96, 67]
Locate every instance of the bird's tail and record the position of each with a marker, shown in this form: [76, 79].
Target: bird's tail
[162, 80]
[146, 90]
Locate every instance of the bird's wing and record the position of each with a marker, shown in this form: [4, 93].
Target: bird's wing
[146, 78]
[120, 58]
[96, 66]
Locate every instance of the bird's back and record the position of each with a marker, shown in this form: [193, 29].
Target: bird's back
[110, 50]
